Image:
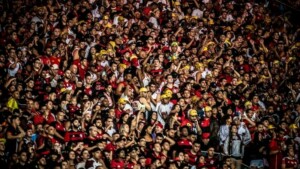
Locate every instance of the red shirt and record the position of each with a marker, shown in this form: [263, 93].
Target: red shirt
[275, 159]
[157, 72]
[185, 144]
[88, 91]
[290, 162]
[205, 125]
[193, 158]
[54, 60]
[130, 165]
[211, 163]
[68, 84]
[114, 164]
[82, 70]
[118, 113]
[39, 119]
[110, 147]
[60, 127]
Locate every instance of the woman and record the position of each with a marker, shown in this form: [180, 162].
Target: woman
[152, 119]
[84, 156]
[124, 130]
[233, 146]
[109, 95]
[72, 162]
[123, 120]
[147, 134]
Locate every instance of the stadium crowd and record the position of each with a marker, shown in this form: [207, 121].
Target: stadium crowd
[121, 84]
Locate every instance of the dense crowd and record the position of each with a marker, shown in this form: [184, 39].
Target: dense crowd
[120, 84]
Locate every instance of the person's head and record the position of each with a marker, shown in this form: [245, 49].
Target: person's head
[120, 142]
[233, 129]
[2, 145]
[159, 138]
[121, 103]
[196, 147]
[49, 105]
[169, 78]
[142, 142]
[23, 156]
[97, 154]
[121, 153]
[133, 153]
[165, 145]
[128, 76]
[42, 161]
[184, 131]
[211, 151]
[85, 154]
[291, 152]
[236, 120]
[157, 147]
[124, 117]
[179, 156]
[16, 94]
[115, 136]
[171, 133]
[93, 132]
[193, 115]
[60, 116]
[152, 87]
[158, 129]
[124, 129]
[208, 111]
[143, 92]
[15, 120]
[228, 119]
[72, 155]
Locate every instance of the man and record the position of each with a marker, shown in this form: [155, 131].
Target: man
[60, 125]
[126, 85]
[192, 122]
[164, 108]
[42, 163]
[157, 152]
[96, 160]
[211, 160]
[91, 142]
[194, 153]
[184, 143]
[119, 160]
[3, 157]
[14, 134]
[144, 98]
[206, 122]
[133, 158]
[119, 110]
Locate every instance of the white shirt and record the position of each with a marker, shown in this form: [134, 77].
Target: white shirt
[198, 13]
[95, 164]
[13, 72]
[154, 21]
[116, 21]
[163, 109]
